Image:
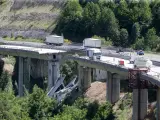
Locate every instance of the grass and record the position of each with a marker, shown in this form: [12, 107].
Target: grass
[8, 21]
[23, 39]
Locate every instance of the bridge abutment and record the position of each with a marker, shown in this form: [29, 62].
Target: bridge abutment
[140, 99]
[113, 87]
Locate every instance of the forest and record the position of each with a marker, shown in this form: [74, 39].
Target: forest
[124, 23]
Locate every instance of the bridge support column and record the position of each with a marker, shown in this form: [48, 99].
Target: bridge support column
[113, 87]
[20, 76]
[87, 78]
[140, 104]
[53, 73]
[80, 77]
[26, 72]
[23, 75]
[158, 104]
[93, 72]
[84, 78]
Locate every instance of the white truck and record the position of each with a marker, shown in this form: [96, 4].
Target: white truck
[54, 39]
[94, 53]
[141, 62]
[92, 43]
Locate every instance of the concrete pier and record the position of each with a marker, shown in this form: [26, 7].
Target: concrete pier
[158, 104]
[87, 78]
[23, 75]
[84, 78]
[113, 87]
[26, 73]
[20, 76]
[80, 77]
[53, 73]
[140, 112]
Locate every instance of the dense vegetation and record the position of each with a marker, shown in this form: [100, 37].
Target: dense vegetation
[38, 106]
[134, 24]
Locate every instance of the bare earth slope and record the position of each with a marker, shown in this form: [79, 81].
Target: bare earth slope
[29, 18]
[97, 91]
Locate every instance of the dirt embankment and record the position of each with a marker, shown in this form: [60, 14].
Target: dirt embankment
[97, 91]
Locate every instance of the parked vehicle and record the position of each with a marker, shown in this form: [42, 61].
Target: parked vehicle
[94, 53]
[92, 43]
[140, 52]
[54, 39]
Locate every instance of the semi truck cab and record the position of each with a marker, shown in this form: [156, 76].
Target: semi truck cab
[94, 53]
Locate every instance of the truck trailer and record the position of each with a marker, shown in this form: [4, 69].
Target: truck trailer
[54, 40]
[92, 43]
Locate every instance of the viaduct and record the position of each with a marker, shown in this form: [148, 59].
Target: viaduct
[45, 62]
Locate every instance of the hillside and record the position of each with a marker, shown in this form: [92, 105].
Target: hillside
[29, 18]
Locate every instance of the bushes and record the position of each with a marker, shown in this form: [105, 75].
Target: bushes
[95, 111]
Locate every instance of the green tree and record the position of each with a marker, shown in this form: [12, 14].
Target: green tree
[4, 80]
[10, 109]
[69, 68]
[104, 111]
[122, 14]
[140, 12]
[123, 37]
[151, 39]
[135, 33]
[139, 44]
[109, 25]
[72, 11]
[70, 20]
[156, 14]
[108, 4]
[71, 113]
[91, 16]
[95, 111]
[40, 106]
[144, 11]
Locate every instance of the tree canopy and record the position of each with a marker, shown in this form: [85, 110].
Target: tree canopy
[130, 20]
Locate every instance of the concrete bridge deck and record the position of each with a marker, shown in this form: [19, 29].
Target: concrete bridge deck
[32, 52]
[111, 64]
